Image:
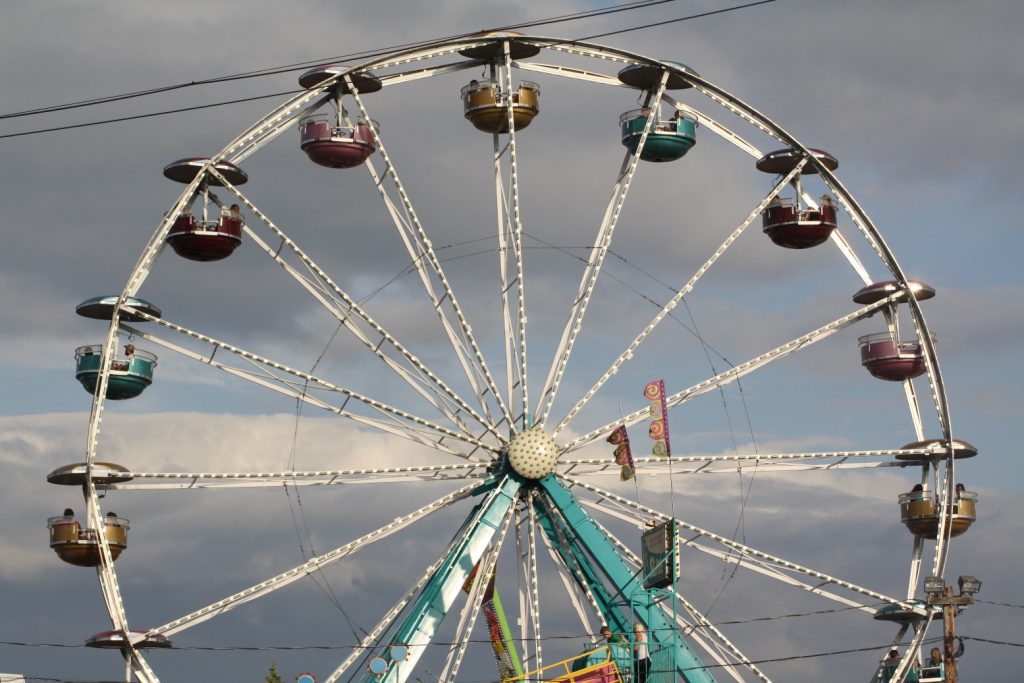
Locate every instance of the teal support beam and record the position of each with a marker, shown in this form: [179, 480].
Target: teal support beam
[580, 565]
[625, 586]
[441, 591]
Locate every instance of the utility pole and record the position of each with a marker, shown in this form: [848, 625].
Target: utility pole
[949, 632]
[941, 595]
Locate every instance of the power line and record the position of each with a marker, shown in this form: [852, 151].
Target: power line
[273, 71]
[1000, 604]
[990, 641]
[569, 636]
[765, 660]
[147, 116]
[286, 68]
[677, 20]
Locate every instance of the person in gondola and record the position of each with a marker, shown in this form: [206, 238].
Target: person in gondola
[123, 364]
[69, 516]
[934, 667]
[891, 663]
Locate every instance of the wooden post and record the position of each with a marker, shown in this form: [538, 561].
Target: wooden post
[948, 630]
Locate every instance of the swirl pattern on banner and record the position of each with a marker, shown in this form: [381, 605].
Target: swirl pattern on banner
[655, 390]
[658, 430]
[623, 455]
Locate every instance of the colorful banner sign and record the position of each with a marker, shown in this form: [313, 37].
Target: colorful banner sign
[658, 431]
[623, 455]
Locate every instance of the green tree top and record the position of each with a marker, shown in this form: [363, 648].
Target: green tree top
[272, 675]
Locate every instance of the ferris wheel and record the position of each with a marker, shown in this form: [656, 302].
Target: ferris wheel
[529, 216]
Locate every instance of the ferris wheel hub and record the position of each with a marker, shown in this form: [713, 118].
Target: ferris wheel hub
[533, 453]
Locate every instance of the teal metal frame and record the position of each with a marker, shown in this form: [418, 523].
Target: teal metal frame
[582, 545]
[441, 591]
[592, 550]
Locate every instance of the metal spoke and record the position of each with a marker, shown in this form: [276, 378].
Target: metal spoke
[915, 408]
[750, 563]
[706, 464]
[325, 290]
[297, 389]
[515, 368]
[529, 584]
[538, 655]
[512, 379]
[381, 475]
[572, 589]
[945, 517]
[737, 371]
[517, 240]
[674, 301]
[655, 467]
[572, 567]
[140, 667]
[420, 246]
[588, 282]
[295, 573]
[729, 557]
[915, 566]
[745, 550]
[523, 592]
[910, 655]
[573, 73]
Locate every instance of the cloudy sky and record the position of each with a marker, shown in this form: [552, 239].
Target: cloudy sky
[915, 99]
